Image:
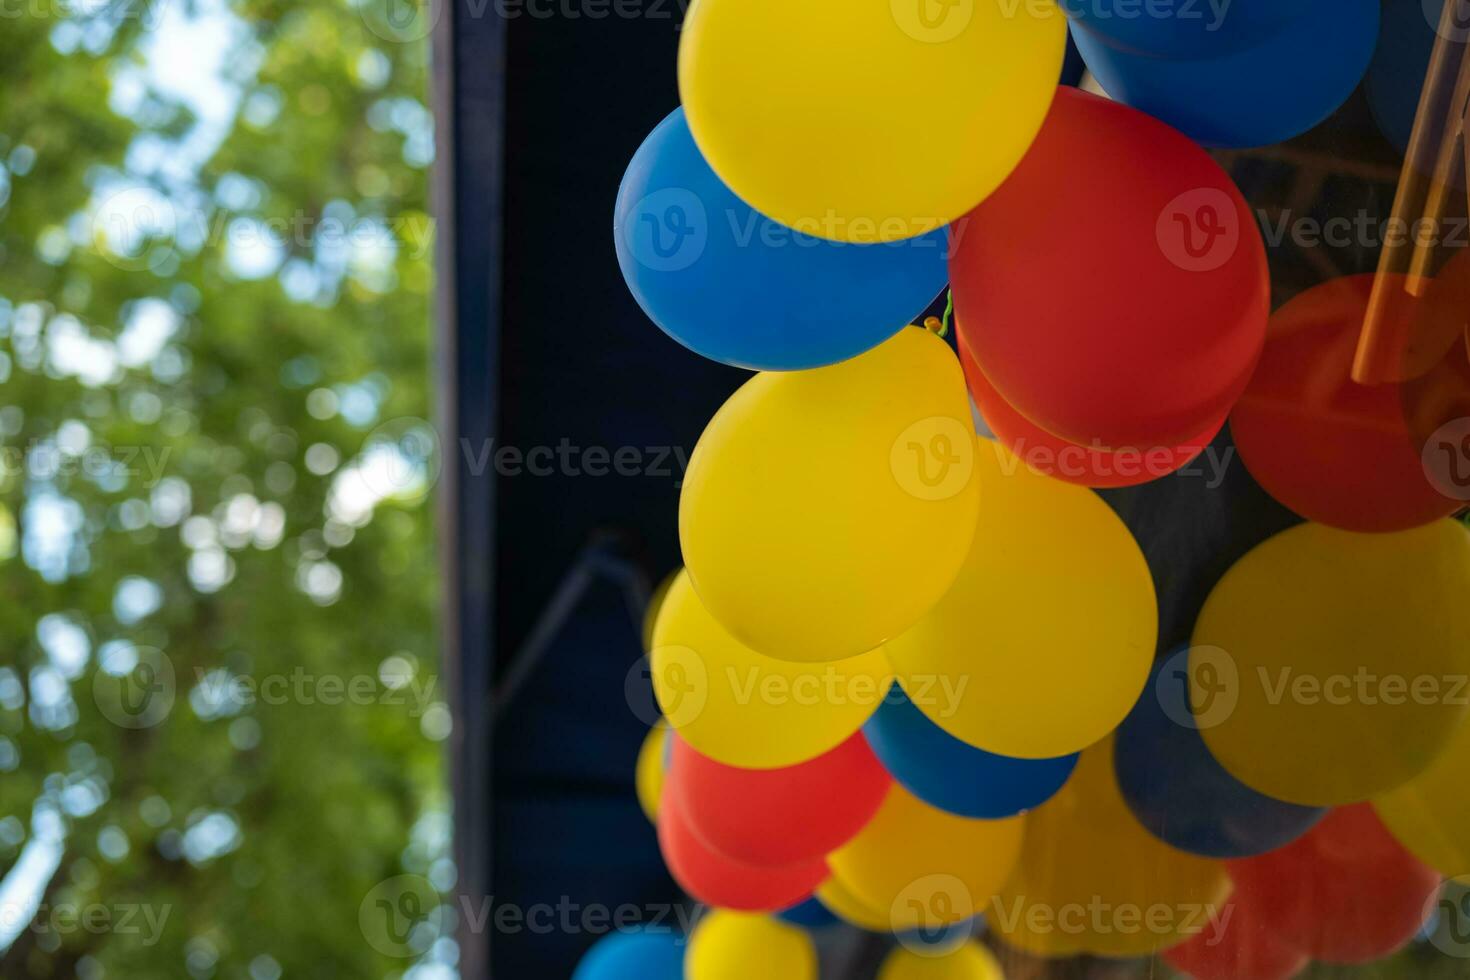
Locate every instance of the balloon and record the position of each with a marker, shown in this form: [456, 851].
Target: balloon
[655, 603]
[927, 868]
[1239, 944]
[743, 709]
[1188, 30]
[810, 914]
[1334, 451]
[1143, 324]
[1177, 790]
[734, 286]
[953, 776]
[1346, 892]
[710, 877]
[731, 946]
[825, 511]
[1395, 77]
[968, 961]
[812, 113]
[1430, 814]
[648, 776]
[773, 817]
[1345, 655]
[1088, 466]
[850, 908]
[1264, 93]
[645, 954]
[1045, 640]
[1092, 880]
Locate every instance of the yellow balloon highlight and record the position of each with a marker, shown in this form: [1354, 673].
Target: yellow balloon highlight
[1049, 629]
[925, 867]
[737, 946]
[1092, 880]
[825, 511]
[1430, 814]
[1348, 656]
[811, 111]
[841, 902]
[648, 776]
[968, 961]
[744, 709]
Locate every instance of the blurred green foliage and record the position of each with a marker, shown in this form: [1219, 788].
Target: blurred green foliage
[215, 272]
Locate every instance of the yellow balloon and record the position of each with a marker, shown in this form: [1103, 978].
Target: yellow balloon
[744, 709]
[841, 902]
[1330, 666]
[655, 602]
[1092, 880]
[648, 776]
[925, 867]
[1043, 643]
[738, 946]
[1430, 814]
[969, 961]
[825, 511]
[811, 111]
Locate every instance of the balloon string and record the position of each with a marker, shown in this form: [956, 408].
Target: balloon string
[937, 326]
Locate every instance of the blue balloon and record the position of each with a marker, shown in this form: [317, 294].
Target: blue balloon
[1185, 28]
[1255, 96]
[810, 914]
[735, 286]
[1396, 76]
[953, 775]
[1177, 789]
[634, 955]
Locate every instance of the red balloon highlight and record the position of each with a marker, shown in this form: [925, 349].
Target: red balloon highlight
[1334, 451]
[1344, 892]
[1088, 466]
[1114, 289]
[714, 879]
[778, 817]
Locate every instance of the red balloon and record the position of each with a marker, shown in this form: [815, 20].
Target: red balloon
[714, 879]
[1344, 892]
[1114, 289]
[1088, 466]
[1238, 945]
[1334, 451]
[776, 817]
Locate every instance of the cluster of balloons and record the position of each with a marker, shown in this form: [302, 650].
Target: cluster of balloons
[908, 674]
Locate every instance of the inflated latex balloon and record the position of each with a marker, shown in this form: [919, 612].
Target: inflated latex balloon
[1334, 451]
[1177, 790]
[714, 879]
[1395, 77]
[1088, 466]
[1092, 880]
[1430, 814]
[1346, 892]
[925, 867]
[731, 284]
[744, 709]
[1345, 655]
[849, 907]
[732, 946]
[779, 816]
[825, 511]
[1263, 93]
[1239, 944]
[648, 777]
[644, 954]
[1144, 323]
[1185, 30]
[773, 91]
[810, 914]
[1045, 640]
[968, 961]
[952, 775]
[655, 603]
